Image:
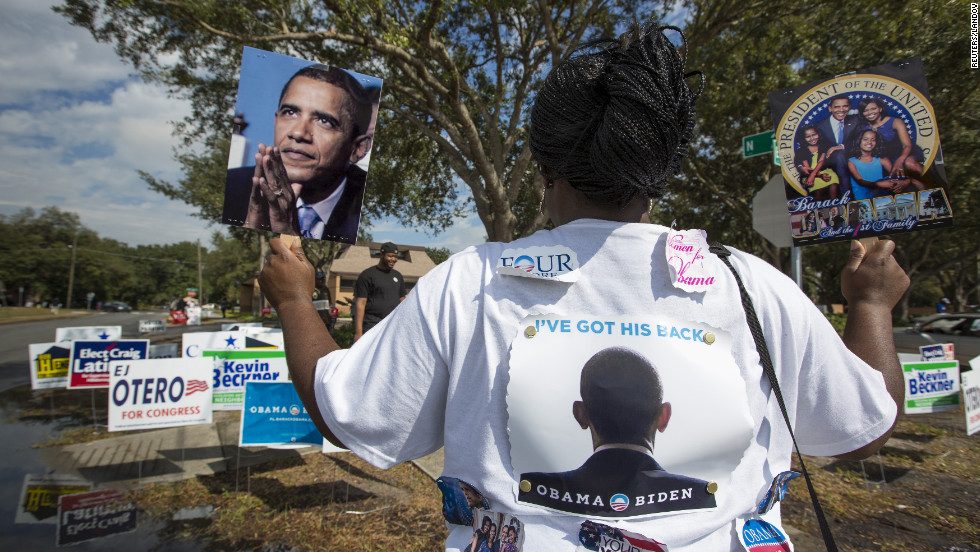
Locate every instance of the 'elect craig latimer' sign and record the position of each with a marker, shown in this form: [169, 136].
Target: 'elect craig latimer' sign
[90, 360]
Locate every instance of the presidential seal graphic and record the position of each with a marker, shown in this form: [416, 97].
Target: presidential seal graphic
[834, 116]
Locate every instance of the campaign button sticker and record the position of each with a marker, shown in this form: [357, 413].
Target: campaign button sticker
[761, 536]
[557, 262]
[619, 502]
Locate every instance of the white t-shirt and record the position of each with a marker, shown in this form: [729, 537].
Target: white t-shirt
[435, 373]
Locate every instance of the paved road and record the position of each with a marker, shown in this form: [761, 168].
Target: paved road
[14, 338]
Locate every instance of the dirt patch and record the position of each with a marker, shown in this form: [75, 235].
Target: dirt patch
[920, 493]
[316, 502]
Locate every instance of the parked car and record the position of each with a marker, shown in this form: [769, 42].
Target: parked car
[116, 306]
[961, 329]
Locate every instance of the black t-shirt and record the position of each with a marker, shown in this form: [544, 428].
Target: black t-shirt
[383, 291]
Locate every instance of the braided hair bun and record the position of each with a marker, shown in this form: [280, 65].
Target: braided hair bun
[615, 122]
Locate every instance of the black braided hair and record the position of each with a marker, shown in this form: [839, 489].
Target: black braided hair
[616, 119]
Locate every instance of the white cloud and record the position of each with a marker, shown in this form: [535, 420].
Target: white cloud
[462, 234]
[77, 128]
[43, 52]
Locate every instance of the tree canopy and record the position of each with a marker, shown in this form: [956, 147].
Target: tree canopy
[36, 251]
[459, 78]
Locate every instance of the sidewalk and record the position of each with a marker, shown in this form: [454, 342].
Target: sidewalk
[164, 455]
[129, 461]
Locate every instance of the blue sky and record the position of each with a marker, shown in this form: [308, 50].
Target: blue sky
[76, 125]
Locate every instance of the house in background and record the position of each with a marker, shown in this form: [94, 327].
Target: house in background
[413, 263]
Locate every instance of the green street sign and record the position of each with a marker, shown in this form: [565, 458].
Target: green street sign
[758, 144]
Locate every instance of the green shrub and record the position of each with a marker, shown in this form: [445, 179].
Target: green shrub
[344, 335]
[837, 321]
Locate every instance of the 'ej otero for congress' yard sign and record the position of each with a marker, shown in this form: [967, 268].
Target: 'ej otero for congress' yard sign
[158, 393]
[931, 386]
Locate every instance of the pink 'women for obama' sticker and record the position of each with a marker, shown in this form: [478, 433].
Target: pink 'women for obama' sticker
[691, 268]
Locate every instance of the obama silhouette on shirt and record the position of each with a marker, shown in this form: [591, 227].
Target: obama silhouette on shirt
[622, 406]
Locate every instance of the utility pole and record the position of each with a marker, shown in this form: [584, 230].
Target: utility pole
[200, 289]
[71, 270]
[263, 250]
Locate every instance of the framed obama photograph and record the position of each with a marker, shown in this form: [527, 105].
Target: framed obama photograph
[624, 418]
[859, 137]
[300, 148]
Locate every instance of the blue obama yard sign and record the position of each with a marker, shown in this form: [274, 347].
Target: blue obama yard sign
[273, 415]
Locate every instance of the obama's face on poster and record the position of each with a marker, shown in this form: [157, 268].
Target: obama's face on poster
[315, 131]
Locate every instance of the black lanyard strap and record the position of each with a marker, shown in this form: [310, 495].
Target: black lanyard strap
[760, 344]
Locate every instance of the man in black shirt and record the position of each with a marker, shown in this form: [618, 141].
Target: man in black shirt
[378, 291]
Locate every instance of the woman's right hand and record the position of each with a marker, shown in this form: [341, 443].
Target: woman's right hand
[872, 275]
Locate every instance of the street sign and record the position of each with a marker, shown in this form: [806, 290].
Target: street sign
[757, 144]
[769, 215]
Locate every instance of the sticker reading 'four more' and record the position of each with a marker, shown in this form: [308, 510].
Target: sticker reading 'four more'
[542, 262]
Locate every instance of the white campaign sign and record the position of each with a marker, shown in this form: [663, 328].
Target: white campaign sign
[240, 325]
[158, 393]
[148, 326]
[263, 338]
[88, 333]
[194, 343]
[971, 400]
